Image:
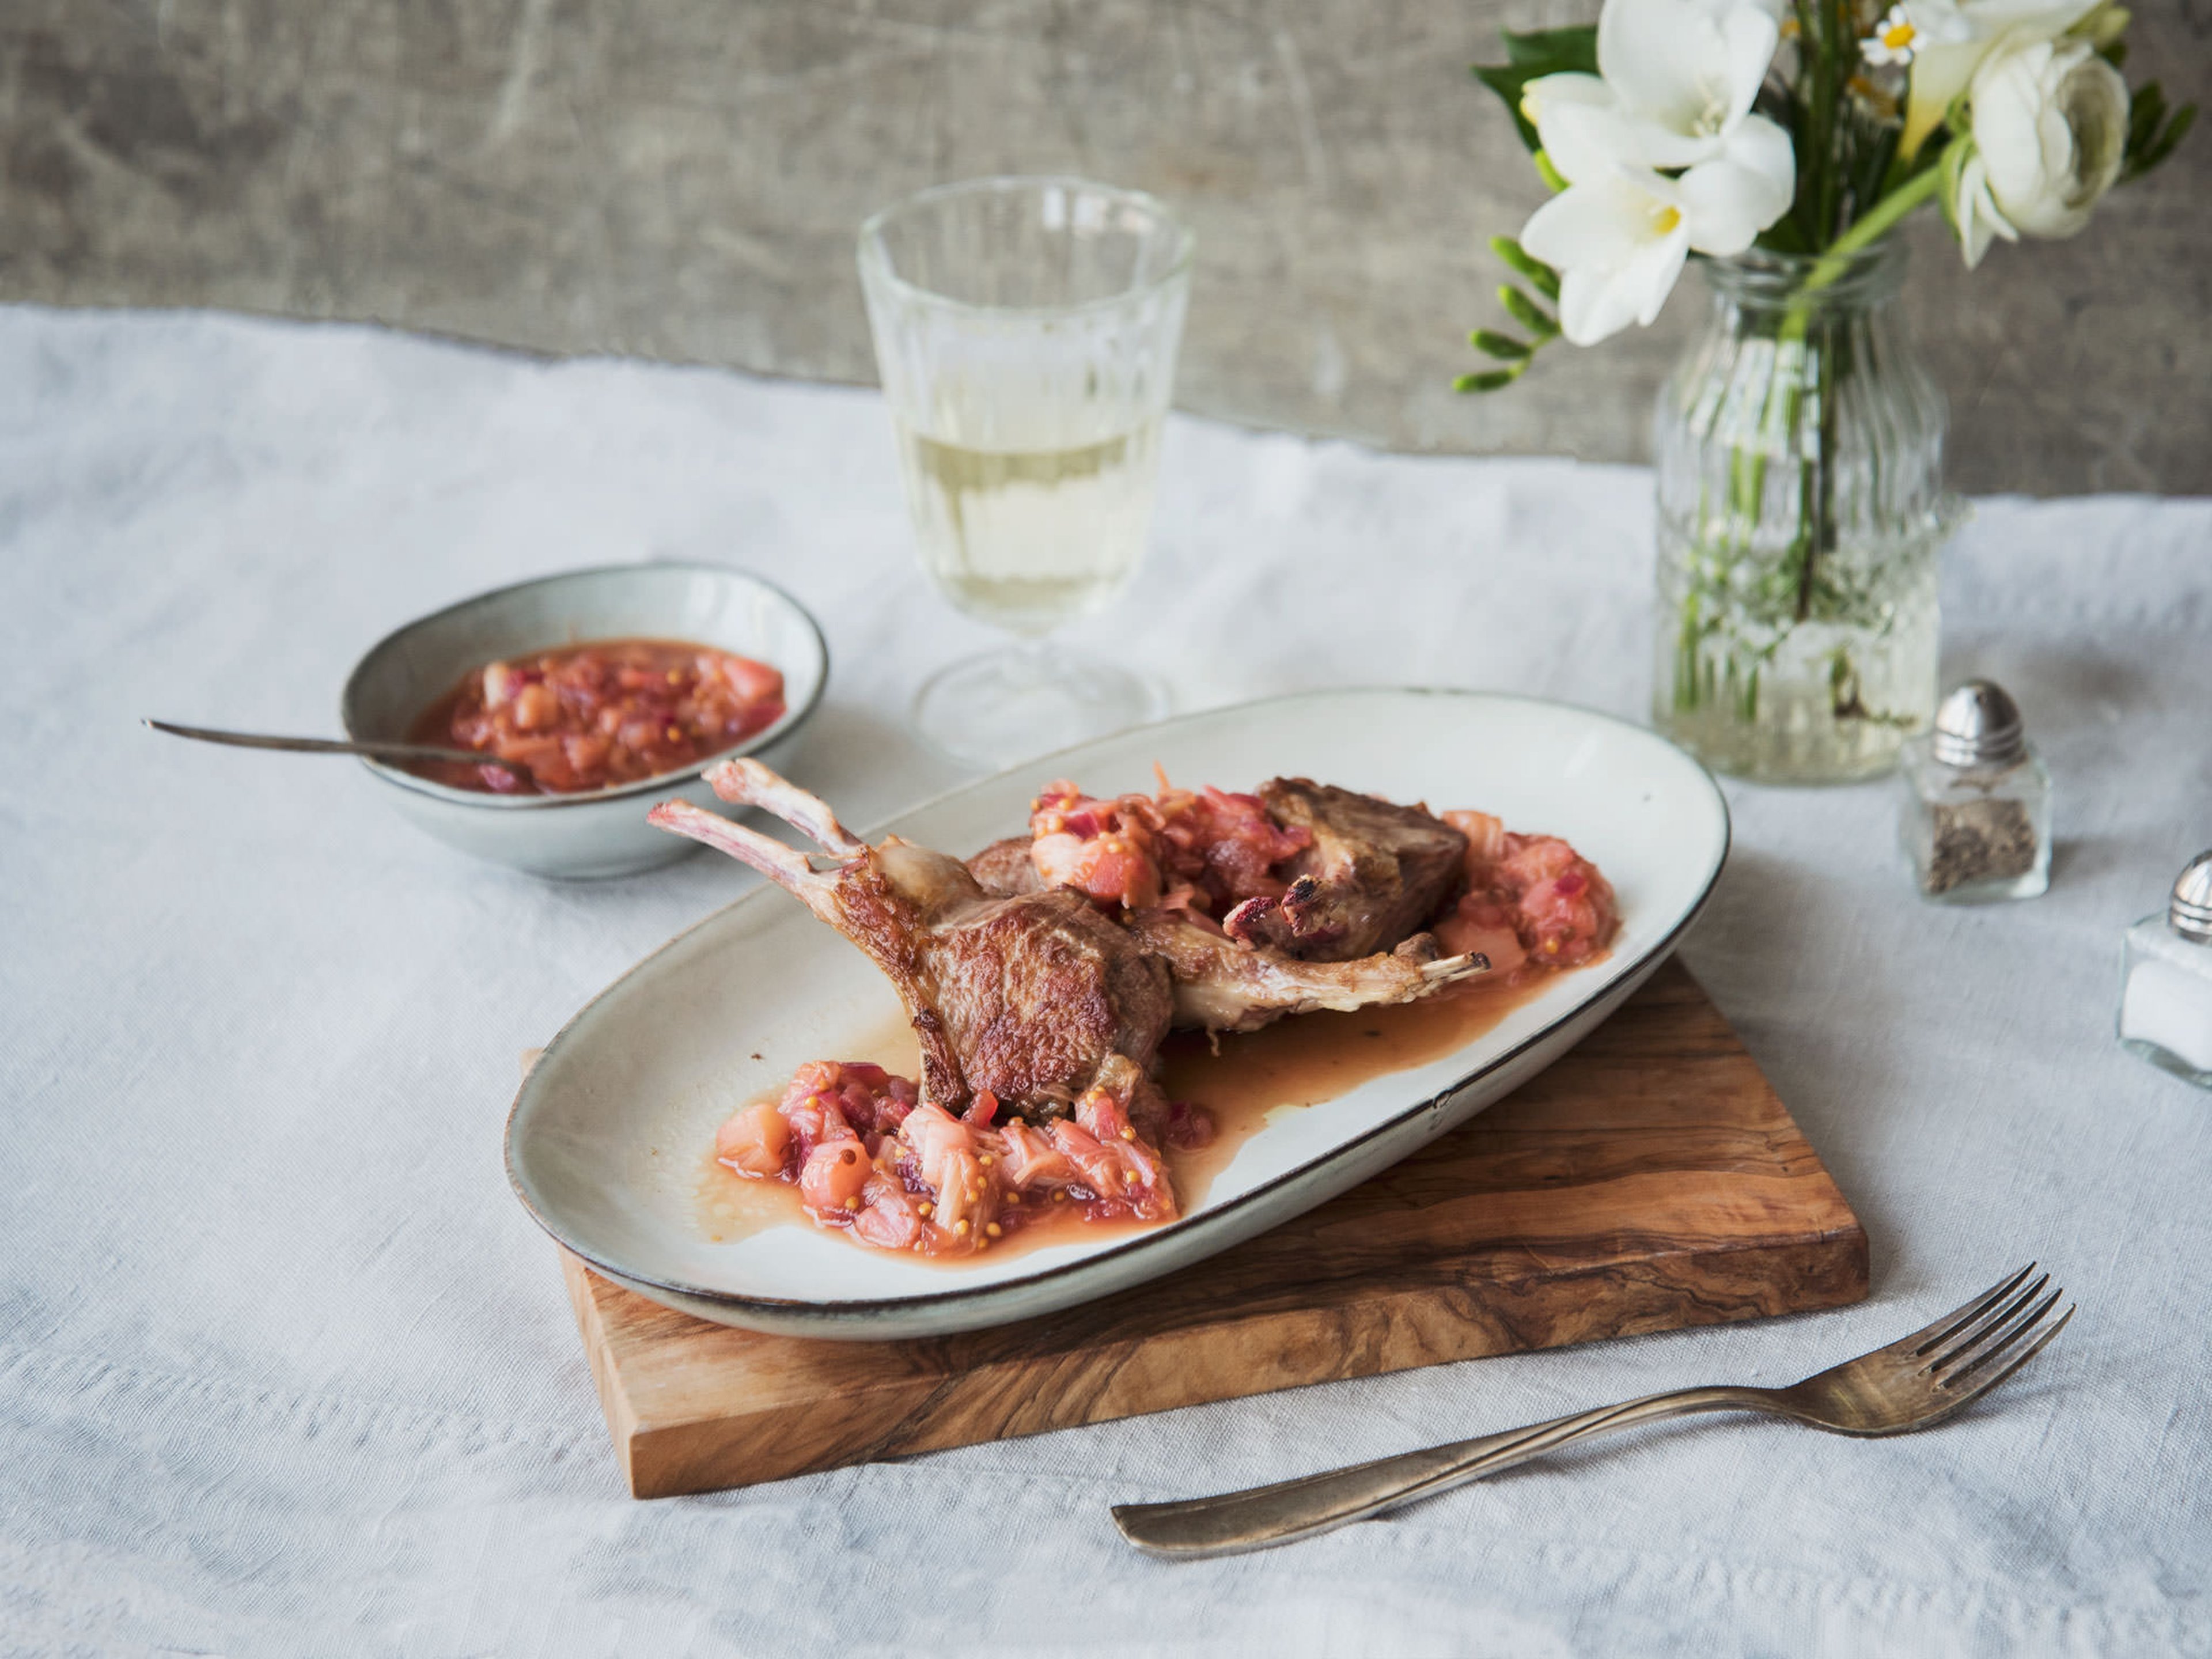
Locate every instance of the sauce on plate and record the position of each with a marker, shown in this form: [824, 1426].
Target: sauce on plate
[1242, 1083]
[1312, 1058]
[731, 1207]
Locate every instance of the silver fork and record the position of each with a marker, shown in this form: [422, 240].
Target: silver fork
[1908, 1385]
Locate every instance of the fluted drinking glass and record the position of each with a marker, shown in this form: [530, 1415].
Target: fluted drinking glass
[1026, 331]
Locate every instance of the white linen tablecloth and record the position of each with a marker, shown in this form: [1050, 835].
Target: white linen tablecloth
[284, 1370]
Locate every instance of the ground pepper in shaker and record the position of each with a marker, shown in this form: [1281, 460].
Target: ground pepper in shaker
[2166, 979]
[1976, 823]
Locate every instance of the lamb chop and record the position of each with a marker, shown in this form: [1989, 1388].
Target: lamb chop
[1035, 997]
[1006, 868]
[1224, 984]
[1370, 873]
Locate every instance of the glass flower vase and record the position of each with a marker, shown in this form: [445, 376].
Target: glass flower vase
[1800, 508]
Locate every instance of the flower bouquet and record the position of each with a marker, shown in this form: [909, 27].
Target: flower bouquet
[1799, 444]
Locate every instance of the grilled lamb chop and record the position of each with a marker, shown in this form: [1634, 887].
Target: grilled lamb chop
[1222, 984]
[1371, 873]
[1035, 997]
[1006, 868]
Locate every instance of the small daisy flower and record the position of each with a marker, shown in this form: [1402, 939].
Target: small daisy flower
[1894, 42]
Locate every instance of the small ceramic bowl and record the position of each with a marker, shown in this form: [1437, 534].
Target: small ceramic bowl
[604, 833]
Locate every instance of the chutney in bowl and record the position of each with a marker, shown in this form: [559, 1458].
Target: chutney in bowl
[417, 673]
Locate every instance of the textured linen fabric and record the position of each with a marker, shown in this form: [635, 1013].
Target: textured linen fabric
[284, 1370]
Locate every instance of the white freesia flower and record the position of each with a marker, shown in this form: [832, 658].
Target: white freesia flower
[1617, 240]
[1952, 38]
[1684, 73]
[1680, 77]
[2050, 129]
[1619, 233]
[1545, 102]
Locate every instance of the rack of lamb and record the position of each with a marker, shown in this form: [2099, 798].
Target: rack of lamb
[1041, 975]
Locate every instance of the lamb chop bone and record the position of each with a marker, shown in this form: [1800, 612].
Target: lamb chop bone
[1032, 997]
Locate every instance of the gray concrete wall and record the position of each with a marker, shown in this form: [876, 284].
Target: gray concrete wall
[681, 178]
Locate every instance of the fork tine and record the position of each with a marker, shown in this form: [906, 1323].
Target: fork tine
[1993, 1348]
[1976, 1390]
[1926, 1338]
[1974, 1335]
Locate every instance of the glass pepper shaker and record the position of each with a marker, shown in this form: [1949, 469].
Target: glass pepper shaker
[2166, 979]
[1976, 825]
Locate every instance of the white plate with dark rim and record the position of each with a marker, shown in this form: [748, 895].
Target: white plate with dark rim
[611, 1132]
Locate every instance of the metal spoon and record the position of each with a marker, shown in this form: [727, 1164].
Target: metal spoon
[377, 749]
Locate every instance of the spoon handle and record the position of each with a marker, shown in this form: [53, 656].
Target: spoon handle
[376, 748]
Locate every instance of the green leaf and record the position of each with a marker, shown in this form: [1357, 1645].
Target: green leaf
[2152, 131]
[2146, 110]
[1527, 313]
[1507, 84]
[2162, 146]
[1553, 52]
[1493, 344]
[1530, 55]
[1785, 235]
[1540, 276]
[1495, 379]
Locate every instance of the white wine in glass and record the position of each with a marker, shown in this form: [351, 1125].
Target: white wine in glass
[1030, 538]
[1027, 331]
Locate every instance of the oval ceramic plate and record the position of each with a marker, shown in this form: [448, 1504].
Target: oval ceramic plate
[611, 1133]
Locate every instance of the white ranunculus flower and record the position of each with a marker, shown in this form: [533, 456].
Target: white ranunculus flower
[2050, 127]
[1973, 209]
[1950, 40]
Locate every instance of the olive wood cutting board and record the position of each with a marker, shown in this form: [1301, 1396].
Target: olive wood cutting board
[1648, 1180]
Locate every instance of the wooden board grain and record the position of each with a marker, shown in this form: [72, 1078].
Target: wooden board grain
[1649, 1180]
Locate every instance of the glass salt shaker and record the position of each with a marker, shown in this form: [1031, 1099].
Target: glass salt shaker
[2166, 979]
[1976, 826]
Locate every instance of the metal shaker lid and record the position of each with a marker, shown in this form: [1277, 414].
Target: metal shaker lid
[1979, 725]
[2190, 912]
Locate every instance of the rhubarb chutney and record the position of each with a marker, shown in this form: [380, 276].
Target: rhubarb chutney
[598, 715]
